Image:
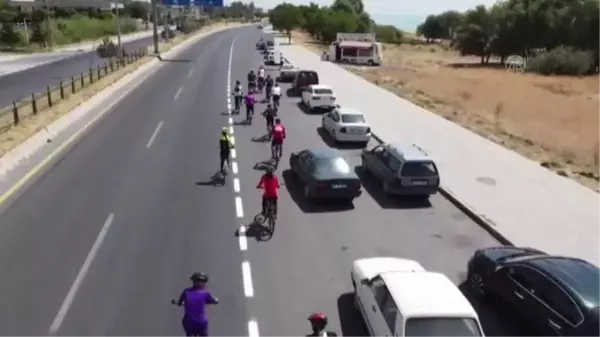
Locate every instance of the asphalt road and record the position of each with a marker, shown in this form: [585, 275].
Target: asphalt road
[148, 198]
[16, 86]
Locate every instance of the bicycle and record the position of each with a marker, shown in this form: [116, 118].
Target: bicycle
[276, 102]
[275, 150]
[270, 217]
[237, 100]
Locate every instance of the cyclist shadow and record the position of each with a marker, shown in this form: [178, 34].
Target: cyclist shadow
[256, 231]
[217, 179]
[266, 165]
[261, 139]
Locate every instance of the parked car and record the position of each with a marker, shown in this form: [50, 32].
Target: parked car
[404, 169]
[557, 295]
[303, 79]
[287, 72]
[346, 125]
[398, 297]
[318, 96]
[325, 174]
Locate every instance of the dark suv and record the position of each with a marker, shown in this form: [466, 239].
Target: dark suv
[558, 295]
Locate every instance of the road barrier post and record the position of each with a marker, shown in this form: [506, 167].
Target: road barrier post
[62, 90]
[99, 72]
[91, 76]
[82, 80]
[15, 113]
[49, 94]
[105, 68]
[72, 84]
[34, 104]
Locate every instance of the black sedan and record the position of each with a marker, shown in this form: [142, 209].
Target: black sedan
[325, 174]
[558, 295]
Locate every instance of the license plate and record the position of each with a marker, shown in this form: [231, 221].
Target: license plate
[420, 182]
[357, 131]
[337, 187]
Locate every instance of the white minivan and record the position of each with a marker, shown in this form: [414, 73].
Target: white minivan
[398, 297]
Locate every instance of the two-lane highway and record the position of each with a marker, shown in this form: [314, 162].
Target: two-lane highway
[103, 240]
[19, 85]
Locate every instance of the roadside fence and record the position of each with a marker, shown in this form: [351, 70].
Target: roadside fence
[53, 94]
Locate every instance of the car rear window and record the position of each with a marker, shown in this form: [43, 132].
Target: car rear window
[307, 78]
[334, 165]
[323, 91]
[442, 326]
[353, 118]
[269, 43]
[419, 169]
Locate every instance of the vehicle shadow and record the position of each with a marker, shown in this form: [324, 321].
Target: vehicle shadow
[496, 317]
[351, 322]
[305, 109]
[296, 191]
[241, 122]
[328, 140]
[375, 190]
[290, 93]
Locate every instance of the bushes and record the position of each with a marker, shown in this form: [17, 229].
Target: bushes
[389, 34]
[79, 28]
[563, 61]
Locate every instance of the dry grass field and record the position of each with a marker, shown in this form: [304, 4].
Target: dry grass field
[554, 120]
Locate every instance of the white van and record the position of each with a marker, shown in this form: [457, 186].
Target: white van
[274, 57]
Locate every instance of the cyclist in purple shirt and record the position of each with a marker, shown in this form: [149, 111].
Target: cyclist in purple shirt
[194, 300]
[250, 101]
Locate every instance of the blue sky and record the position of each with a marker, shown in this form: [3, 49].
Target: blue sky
[404, 14]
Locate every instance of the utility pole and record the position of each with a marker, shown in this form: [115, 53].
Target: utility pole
[48, 27]
[155, 26]
[119, 45]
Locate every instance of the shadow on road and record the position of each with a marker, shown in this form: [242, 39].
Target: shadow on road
[351, 321]
[216, 180]
[160, 58]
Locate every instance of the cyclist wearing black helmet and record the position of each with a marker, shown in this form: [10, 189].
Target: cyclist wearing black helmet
[318, 322]
[269, 114]
[194, 299]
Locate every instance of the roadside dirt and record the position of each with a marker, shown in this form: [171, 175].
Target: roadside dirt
[553, 120]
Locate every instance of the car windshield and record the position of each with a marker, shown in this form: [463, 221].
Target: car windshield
[353, 118]
[441, 326]
[419, 169]
[333, 165]
[323, 91]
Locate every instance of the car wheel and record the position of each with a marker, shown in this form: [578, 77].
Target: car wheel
[386, 188]
[477, 284]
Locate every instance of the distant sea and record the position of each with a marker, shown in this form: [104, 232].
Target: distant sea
[405, 22]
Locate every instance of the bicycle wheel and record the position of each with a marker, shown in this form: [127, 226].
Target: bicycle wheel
[271, 218]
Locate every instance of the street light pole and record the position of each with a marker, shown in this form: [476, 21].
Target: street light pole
[48, 27]
[155, 26]
[119, 46]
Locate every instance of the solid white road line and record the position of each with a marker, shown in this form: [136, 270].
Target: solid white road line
[247, 276]
[239, 209]
[242, 238]
[64, 308]
[236, 185]
[177, 94]
[158, 127]
[253, 328]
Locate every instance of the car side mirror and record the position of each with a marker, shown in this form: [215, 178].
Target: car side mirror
[365, 282]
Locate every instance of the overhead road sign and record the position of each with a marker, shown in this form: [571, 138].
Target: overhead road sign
[176, 3]
[209, 3]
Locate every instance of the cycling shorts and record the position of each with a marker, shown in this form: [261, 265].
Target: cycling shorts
[277, 141]
[193, 328]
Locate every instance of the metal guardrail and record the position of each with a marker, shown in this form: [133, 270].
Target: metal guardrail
[38, 102]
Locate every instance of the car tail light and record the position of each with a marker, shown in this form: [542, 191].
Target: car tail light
[343, 130]
[333, 98]
[320, 186]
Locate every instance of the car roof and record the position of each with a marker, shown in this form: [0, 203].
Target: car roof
[308, 71]
[579, 276]
[349, 111]
[325, 153]
[320, 86]
[427, 294]
[410, 152]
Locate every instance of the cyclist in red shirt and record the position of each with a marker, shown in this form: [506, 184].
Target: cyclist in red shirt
[278, 134]
[270, 184]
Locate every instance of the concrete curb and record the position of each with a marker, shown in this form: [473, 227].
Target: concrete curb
[479, 219]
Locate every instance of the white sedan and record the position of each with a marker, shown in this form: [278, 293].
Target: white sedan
[346, 125]
[318, 96]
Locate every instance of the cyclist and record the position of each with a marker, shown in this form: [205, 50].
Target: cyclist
[251, 80]
[225, 145]
[194, 300]
[269, 85]
[250, 101]
[269, 114]
[238, 93]
[278, 134]
[276, 92]
[270, 184]
[261, 77]
[318, 322]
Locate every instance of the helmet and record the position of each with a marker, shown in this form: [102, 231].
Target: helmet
[251, 70]
[199, 277]
[318, 320]
[277, 120]
[269, 172]
[237, 82]
[224, 130]
[269, 105]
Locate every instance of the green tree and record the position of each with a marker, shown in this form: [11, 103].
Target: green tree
[286, 17]
[337, 22]
[389, 34]
[431, 29]
[8, 36]
[476, 35]
[449, 22]
[136, 9]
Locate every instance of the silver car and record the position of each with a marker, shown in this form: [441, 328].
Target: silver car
[287, 72]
